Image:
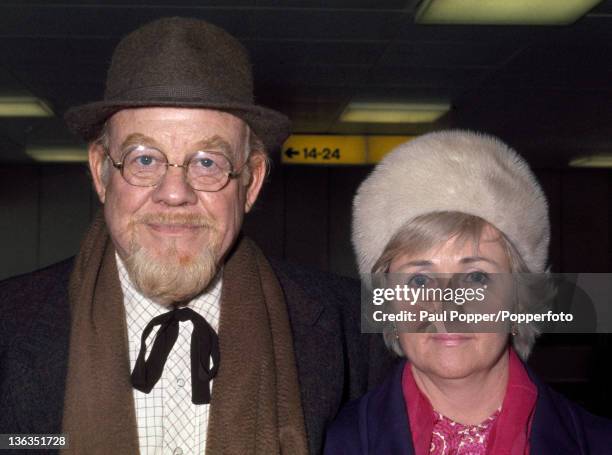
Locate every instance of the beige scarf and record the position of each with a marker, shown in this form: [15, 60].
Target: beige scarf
[255, 407]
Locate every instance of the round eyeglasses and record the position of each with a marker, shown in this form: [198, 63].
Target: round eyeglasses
[144, 166]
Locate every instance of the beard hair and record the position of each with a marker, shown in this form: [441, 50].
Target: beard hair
[172, 277]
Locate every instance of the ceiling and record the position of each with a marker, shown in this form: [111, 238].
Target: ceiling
[546, 90]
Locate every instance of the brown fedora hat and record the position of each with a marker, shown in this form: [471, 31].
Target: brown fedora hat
[180, 62]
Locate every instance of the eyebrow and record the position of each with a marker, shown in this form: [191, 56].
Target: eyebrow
[472, 259]
[138, 138]
[465, 260]
[419, 263]
[214, 142]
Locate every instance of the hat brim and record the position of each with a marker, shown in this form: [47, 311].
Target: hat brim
[270, 126]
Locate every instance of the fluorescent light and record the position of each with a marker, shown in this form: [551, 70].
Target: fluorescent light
[506, 12]
[58, 153]
[602, 160]
[24, 106]
[363, 112]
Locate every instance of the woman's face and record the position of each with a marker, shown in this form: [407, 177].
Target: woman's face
[455, 355]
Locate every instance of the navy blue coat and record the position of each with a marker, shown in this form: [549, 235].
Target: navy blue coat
[377, 424]
[331, 353]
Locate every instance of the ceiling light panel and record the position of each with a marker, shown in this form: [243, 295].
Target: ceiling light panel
[363, 112]
[58, 154]
[503, 12]
[11, 106]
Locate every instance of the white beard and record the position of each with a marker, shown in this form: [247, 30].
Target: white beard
[170, 277]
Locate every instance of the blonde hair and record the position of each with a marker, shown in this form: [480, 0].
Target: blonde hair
[433, 229]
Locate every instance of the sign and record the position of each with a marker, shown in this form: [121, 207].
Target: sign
[333, 150]
[379, 146]
[324, 149]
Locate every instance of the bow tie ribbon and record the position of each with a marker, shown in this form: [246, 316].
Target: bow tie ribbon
[204, 347]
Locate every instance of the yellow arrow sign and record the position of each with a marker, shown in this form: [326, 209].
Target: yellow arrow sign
[337, 149]
[324, 149]
[379, 146]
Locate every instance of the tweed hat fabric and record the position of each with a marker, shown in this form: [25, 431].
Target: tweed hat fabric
[180, 62]
[458, 171]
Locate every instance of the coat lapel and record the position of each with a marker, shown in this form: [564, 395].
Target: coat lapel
[318, 353]
[385, 419]
[552, 432]
[36, 362]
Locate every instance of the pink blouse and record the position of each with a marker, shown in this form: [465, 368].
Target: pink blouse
[452, 438]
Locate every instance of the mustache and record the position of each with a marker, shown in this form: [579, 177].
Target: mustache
[177, 219]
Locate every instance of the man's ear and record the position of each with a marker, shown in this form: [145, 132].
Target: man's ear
[96, 167]
[257, 168]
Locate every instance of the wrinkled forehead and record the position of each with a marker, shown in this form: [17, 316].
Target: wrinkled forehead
[178, 130]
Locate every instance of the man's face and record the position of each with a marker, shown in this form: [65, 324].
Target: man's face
[172, 225]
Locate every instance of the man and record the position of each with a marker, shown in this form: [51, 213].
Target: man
[170, 332]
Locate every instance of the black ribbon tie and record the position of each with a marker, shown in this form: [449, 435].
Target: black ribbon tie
[204, 346]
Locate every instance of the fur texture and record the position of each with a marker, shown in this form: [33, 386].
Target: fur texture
[452, 171]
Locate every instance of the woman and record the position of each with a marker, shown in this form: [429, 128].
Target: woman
[458, 202]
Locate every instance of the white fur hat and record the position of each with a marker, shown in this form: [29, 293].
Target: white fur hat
[458, 171]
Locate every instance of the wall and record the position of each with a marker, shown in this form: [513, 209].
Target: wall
[303, 216]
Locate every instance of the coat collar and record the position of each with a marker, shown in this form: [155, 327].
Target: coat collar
[386, 419]
[388, 430]
[551, 432]
[309, 312]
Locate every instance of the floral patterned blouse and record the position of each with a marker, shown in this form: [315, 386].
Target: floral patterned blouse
[452, 438]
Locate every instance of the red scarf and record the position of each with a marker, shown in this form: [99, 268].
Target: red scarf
[510, 432]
